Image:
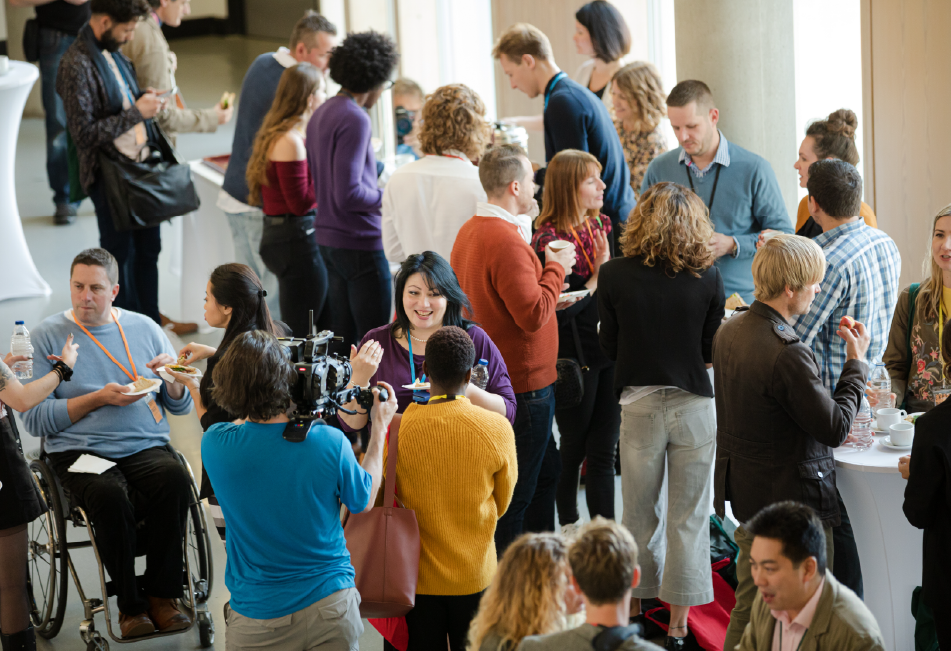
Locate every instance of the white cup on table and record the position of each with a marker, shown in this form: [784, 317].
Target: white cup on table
[902, 433]
[4, 64]
[889, 416]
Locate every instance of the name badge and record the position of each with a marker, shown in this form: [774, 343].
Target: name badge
[153, 407]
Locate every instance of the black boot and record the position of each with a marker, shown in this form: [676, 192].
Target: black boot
[675, 643]
[25, 640]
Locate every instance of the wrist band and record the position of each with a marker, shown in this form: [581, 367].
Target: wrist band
[63, 371]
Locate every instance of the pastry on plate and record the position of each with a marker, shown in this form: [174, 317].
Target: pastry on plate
[178, 368]
[142, 384]
[734, 301]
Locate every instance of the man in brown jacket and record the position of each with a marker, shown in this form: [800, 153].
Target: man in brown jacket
[799, 601]
[776, 424]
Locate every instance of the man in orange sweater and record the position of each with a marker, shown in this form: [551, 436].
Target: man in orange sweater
[514, 299]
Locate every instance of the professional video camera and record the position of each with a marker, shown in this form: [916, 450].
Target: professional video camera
[322, 378]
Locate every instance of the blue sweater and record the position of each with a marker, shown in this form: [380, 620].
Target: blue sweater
[257, 94]
[109, 431]
[576, 119]
[747, 201]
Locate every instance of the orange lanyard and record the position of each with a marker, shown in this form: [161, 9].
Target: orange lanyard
[121, 332]
[581, 246]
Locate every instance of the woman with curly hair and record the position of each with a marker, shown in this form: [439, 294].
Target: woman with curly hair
[660, 306]
[639, 106]
[426, 202]
[345, 177]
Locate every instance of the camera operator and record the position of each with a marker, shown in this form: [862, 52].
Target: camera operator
[289, 571]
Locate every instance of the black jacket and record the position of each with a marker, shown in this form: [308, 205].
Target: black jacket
[657, 326]
[928, 502]
[776, 424]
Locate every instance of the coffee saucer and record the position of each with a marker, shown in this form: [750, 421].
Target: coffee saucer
[887, 442]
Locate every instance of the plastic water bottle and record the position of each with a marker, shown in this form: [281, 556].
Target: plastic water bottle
[20, 345]
[480, 374]
[862, 427]
[880, 387]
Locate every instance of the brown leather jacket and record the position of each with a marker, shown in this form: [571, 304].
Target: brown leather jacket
[776, 424]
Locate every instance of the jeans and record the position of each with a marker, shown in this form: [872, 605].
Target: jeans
[247, 229]
[590, 431]
[136, 253]
[361, 291]
[53, 44]
[848, 567]
[668, 445]
[151, 485]
[290, 253]
[533, 502]
[436, 617]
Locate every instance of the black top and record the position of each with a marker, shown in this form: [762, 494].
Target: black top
[63, 16]
[928, 501]
[599, 93]
[214, 413]
[658, 326]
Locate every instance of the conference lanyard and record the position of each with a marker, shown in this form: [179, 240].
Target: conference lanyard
[781, 637]
[446, 397]
[551, 87]
[134, 375]
[419, 395]
[713, 194]
[591, 235]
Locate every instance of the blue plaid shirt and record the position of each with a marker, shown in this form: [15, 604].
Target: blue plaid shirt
[861, 281]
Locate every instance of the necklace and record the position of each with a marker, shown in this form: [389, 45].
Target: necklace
[422, 341]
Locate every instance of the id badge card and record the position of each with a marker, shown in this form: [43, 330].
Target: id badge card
[153, 407]
[422, 397]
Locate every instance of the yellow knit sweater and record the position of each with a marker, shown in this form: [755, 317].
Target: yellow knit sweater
[457, 469]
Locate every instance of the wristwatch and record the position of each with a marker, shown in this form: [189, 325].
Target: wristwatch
[63, 371]
[736, 248]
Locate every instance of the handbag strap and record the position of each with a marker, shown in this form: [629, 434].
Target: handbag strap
[389, 486]
[578, 351]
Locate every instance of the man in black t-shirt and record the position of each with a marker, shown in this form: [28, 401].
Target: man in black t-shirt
[59, 22]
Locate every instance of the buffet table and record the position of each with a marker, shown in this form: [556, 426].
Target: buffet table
[889, 547]
[19, 273]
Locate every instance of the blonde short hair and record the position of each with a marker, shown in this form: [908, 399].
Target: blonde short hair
[521, 39]
[786, 261]
[603, 559]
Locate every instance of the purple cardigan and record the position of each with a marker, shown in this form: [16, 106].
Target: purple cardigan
[341, 160]
[394, 368]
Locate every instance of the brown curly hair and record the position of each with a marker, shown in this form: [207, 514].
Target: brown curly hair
[640, 84]
[454, 118]
[835, 136]
[670, 224]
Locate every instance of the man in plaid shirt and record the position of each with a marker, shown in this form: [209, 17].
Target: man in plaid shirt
[862, 269]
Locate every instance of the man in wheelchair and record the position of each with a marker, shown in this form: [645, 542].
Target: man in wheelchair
[98, 413]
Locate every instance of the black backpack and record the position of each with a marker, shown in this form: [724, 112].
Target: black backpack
[612, 637]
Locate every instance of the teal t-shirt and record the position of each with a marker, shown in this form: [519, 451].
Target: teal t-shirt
[281, 502]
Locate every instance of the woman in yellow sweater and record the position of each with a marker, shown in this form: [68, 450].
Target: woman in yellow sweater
[456, 469]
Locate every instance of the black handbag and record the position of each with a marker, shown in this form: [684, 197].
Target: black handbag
[31, 40]
[145, 194]
[569, 387]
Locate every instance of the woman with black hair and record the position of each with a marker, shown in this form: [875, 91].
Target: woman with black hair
[602, 34]
[349, 199]
[429, 297]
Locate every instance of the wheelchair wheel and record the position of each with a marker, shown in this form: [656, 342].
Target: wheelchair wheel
[47, 568]
[198, 549]
[97, 642]
[206, 630]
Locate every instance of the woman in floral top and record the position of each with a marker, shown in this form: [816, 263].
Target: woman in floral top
[639, 106]
[915, 376]
[573, 196]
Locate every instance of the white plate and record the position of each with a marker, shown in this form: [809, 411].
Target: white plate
[165, 375]
[887, 442]
[417, 387]
[156, 384]
[573, 296]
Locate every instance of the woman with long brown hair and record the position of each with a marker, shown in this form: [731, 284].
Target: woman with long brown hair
[660, 306]
[640, 105]
[573, 196]
[280, 180]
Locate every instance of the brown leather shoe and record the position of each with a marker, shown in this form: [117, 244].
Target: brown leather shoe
[167, 616]
[135, 625]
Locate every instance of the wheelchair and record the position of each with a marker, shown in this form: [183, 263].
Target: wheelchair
[49, 562]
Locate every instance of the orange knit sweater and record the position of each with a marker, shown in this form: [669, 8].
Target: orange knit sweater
[457, 469]
[513, 298]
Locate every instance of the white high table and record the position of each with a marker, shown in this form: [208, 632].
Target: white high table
[19, 275]
[889, 548]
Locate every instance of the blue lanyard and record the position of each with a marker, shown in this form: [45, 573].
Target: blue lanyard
[419, 395]
[552, 85]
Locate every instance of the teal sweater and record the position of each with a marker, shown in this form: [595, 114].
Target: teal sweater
[747, 201]
[109, 431]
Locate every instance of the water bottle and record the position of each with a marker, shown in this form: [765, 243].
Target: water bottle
[861, 434]
[20, 345]
[880, 387]
[480, 374]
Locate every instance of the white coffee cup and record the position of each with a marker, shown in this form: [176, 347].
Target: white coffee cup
[889, 416]
[4, 64]
[559, 245]
[901, 433]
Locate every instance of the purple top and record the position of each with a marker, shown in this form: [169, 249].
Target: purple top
[394, 368]
[341, 160]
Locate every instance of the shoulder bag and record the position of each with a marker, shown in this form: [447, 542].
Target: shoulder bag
[31, 40]
[612, 637]
[384, 549]
[569, 387]
[912, 296]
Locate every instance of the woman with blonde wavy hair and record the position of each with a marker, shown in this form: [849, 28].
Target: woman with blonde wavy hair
[660, 306]
[640, 105]
[531, 594]
[426, 202]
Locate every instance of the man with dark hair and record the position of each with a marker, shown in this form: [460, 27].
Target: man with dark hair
[515, 297]
[741, 192]
[604, 570]
[99, 412]
[106, 112]
[799, 603]
[311, 41]
[289, 571]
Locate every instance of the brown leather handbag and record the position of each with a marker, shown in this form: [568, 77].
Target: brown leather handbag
[384, 549]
